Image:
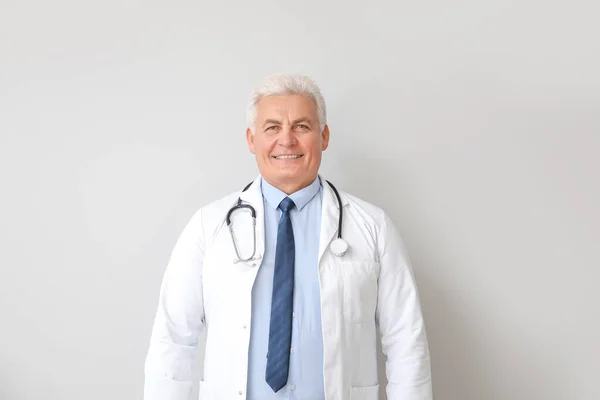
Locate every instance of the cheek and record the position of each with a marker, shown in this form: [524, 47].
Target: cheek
[268, 147]
[311, 143]
[262, 147]
[314, 147]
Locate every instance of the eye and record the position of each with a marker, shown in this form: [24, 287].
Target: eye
[302, 127]
[272, 128]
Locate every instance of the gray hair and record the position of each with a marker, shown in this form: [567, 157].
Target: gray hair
[286, 84]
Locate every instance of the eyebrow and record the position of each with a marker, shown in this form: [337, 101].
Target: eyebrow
[294, 122]
[303, 119]
[271, 121]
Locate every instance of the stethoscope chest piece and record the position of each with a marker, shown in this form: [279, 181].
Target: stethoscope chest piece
[339, 247]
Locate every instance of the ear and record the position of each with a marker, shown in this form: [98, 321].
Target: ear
[325, 135]
[250, 140]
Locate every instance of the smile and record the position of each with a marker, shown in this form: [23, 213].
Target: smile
[288, 157]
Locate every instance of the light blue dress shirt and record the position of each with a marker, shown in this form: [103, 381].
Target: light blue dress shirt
[305, 378]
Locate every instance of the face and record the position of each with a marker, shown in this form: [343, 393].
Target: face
[287, 141]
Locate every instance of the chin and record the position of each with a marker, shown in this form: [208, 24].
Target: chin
[287, 175]
[289, 170]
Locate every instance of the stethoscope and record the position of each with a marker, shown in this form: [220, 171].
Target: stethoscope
[338, 247]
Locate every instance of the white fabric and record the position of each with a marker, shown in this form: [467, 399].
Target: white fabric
[373, 283]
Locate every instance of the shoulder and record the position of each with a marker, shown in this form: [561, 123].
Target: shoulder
[360, 208]
[209, 217]
[212, 214]
[220, 204]
[375, 220]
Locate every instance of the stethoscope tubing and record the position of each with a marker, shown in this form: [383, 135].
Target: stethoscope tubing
[239, 206]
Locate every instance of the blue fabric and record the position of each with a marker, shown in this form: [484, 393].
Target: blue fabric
[305, 375]
[282, 302]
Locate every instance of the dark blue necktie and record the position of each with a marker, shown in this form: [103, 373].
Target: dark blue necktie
[280, 329]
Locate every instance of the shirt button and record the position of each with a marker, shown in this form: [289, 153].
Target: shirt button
[292, 350]
[293, 314]
[293, 387]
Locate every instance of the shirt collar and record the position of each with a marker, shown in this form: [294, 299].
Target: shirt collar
[302, 197]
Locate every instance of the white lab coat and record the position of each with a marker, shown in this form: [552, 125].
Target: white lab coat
[372, 284]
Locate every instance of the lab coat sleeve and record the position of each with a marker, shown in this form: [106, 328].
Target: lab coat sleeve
[400, 320]
[179, 319]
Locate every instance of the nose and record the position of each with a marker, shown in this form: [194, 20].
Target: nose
[287, 137]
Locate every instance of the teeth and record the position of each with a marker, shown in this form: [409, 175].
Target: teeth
[286, 157]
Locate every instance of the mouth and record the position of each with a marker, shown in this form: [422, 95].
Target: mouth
[288, 156]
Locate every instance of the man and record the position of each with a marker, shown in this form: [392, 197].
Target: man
[294, 321]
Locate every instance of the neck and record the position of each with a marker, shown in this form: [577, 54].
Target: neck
[290, 187]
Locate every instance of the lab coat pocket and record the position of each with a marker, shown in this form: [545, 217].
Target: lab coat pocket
[364, 393]
[360, 290]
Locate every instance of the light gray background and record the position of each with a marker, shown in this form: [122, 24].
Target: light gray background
[475, 124]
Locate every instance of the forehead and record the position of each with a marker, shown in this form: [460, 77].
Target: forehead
[287, 106]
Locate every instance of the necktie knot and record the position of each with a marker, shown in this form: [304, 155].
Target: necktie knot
[286, 204]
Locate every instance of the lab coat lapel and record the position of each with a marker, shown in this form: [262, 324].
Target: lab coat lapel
[329, 217]
[253, 196]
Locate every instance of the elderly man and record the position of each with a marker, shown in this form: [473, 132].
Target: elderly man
[290, 302]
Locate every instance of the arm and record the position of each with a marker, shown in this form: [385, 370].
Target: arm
[179, 319]
[403, 338]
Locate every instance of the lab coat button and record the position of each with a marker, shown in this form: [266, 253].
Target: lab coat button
[240, 392]
[258, 257]
[292, 350]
